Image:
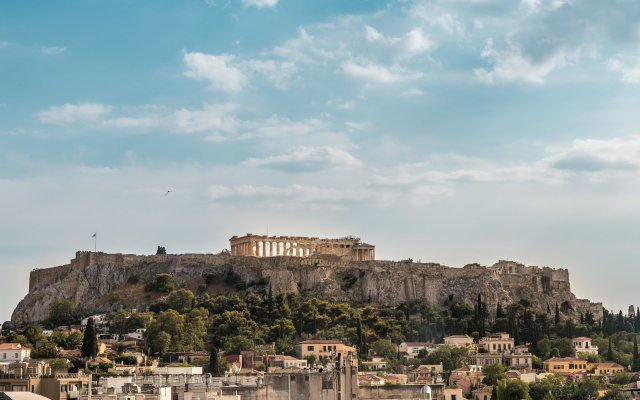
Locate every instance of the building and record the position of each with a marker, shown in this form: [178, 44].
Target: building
[349, 247]
[374, 364]
[12, 352]
[496, 343]
[465, 341]
[483, 393]
[453, 394]
[56, 387]
[518, 358]
[582, 346]
[605, 368]
[485, 359]
[279, 362]
[426, 373]
[565, 365]
[412, 349]
[323, 349]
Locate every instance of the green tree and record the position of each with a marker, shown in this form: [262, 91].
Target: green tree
[162, 283]
[161, 250]
[90, 341]
[512, 389]
[236, 344]
[73, 339]
[450, 357]
[384, 348]
[61, 312]
[181, 300]
[46, 349]
[494, 373]
[214, 362]
[635, 364]
[160, 343]
[616, 394]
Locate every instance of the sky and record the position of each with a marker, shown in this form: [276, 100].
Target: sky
[445, 131]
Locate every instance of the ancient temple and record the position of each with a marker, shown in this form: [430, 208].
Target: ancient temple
[349, 247]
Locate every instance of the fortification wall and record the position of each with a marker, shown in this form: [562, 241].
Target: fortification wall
[100, 282]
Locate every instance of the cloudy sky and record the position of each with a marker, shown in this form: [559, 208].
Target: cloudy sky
[446, 130]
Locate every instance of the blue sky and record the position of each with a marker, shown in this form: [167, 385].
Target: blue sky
[445, 130]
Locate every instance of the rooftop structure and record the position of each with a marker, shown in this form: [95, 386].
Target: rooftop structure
[298, 246]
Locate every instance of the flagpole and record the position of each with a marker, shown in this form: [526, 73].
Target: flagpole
[95, 243]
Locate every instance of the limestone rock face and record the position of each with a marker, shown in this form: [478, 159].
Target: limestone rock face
[99, 282]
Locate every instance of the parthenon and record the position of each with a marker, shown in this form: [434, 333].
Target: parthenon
[297, 246]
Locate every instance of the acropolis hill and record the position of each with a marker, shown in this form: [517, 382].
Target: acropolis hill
[100, 282]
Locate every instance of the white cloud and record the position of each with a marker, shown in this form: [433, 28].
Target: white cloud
[417, 42]
[279, 72]
[372, 35]
[53, 51]
[627, 74]
[512, 65]
[413, 92]
[597, 156]
[73, 113]
[376, 73]
[216, 69]
[274, 127]
[294, 194]
[260, 3]
[305, 159]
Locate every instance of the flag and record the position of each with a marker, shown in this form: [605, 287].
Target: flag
[94, 235]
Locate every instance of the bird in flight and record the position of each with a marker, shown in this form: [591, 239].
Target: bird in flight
[168, 191]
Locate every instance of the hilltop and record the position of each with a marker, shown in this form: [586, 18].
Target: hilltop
[100, 282]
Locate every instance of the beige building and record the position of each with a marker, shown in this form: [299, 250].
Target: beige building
[453, 394]
[298, 246]
[496, 343]
[465, 341]
[325, 349]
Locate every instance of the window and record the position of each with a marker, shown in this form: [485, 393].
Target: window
[16, 355]
[4, 355]
[309, 348]
[453, 397]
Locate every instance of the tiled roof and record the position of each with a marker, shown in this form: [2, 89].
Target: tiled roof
[321, 341]
[10, 346]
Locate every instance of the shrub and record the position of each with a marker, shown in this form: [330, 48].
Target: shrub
[162, 283]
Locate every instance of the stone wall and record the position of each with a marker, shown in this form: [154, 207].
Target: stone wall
[98, 282]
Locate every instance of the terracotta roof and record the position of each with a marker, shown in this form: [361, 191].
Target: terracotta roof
[10, 346]
[581, 338]
[321, 341]
[565, 359]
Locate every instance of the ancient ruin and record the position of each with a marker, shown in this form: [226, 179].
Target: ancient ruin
[349, 247]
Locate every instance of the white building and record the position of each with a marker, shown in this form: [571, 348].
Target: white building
[582, 345]
[496, 343]
[411, 349]
[11, 352]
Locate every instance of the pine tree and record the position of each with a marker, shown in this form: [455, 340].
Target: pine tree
[214, 366]
[90, 341]
[635, 367]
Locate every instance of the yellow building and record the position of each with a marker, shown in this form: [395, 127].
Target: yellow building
[565, 365]
[325, 349]
[606, 368]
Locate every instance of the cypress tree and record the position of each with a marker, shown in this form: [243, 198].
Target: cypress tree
[359, 334]
[610, 352]
[557, 317]
[214, 367]
[499, 311]
[90, 341]
[635, 367]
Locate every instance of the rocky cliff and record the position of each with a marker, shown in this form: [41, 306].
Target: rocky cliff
[100, 282]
